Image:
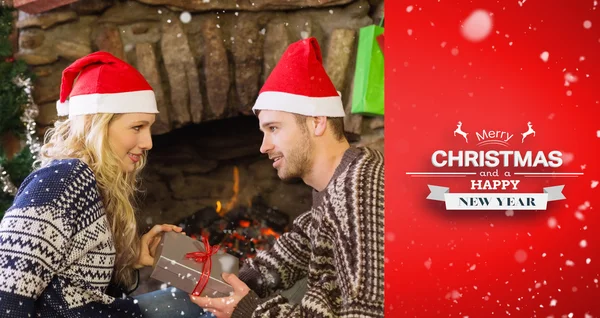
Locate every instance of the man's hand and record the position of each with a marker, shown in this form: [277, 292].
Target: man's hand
[224, 307]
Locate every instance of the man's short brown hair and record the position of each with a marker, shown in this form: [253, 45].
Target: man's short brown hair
[335, 123]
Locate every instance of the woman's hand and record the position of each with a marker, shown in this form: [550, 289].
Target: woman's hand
[150, 241]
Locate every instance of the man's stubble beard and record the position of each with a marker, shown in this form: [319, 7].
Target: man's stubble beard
[298, 161]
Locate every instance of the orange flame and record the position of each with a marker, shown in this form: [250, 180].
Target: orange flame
[269, 231]
[234, 199]
[244, 223]
[238, 236]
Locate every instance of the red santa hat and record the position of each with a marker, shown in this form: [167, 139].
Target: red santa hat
[105, 84]
[300, 85]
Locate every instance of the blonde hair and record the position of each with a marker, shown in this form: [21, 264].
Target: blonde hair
[86, 138]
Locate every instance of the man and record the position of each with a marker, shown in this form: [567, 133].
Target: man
[338, 244]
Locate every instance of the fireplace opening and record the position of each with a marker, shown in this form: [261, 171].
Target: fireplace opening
[212, 179]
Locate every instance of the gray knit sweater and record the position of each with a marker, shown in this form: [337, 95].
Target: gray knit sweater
[337, 245]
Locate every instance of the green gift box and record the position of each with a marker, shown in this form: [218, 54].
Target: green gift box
[368, 97]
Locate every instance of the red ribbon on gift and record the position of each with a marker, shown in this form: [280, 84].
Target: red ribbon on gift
[205, 258]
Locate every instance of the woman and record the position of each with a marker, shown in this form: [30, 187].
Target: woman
[71, 232]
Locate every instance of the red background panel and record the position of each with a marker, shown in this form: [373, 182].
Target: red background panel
[492, 263]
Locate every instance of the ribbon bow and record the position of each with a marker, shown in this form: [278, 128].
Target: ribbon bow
[205, 258]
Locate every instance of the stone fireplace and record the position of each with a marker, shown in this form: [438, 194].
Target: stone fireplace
[206, 61]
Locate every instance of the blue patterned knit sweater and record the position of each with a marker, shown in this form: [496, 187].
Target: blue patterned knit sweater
[56, 248]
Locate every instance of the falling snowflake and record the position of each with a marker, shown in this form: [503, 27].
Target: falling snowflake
[552, 223]
[570, 263]
[453, 295]
[583, 243]
[428, 263]
[520, 256]
[409, 31]
[587, 24]
[477, 26]
[579, 216]
[185, 17]
[391, 236]
[584, 206]
[570, 78]
[588, 261]
[509, 212]
[409, 8]
[594, 183]
[454, 51]
[544, 56]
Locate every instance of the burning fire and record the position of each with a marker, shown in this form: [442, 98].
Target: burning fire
[236, 190]
[269, 231]
[247, 236]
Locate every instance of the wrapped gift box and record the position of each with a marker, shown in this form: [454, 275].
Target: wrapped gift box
[172, 267]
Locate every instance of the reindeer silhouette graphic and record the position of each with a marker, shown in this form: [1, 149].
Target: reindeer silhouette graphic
[528, 132]
[460, 132]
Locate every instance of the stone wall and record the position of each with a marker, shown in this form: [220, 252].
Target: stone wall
[205, 63]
